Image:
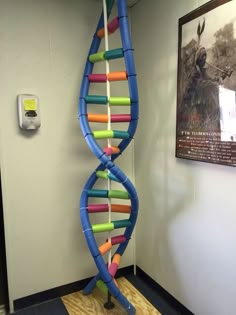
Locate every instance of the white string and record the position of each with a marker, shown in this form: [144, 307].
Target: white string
[87, 230]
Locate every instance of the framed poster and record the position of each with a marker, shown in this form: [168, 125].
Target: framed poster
[206, 91]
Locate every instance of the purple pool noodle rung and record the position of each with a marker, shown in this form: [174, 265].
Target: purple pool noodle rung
[98, 78]
[118, 239]
[113, 25]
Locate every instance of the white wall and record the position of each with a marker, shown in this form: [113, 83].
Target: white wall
[43, 48]
[186, 232]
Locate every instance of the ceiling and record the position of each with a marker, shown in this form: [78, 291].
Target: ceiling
[131, 3]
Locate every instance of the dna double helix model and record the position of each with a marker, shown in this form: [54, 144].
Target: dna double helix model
[106, 257]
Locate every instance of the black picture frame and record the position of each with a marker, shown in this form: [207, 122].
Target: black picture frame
[206, 84]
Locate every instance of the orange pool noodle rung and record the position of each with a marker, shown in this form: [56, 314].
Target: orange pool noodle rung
[111, 150]
[101, 33]
[120, 208]
[115, 150]
[103, 118]
[116, 259]
[104, 248]
[117, 76]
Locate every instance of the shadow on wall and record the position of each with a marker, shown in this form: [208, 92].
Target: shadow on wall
[168, 188]
[3, 268]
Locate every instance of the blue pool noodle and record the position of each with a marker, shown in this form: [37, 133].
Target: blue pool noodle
[125, 34]
[91, 285]
[105, 161]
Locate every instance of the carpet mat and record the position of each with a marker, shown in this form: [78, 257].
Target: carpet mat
[53, 307]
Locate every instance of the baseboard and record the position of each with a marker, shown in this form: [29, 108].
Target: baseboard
[79, 285]
[172, 301]
[61, 291]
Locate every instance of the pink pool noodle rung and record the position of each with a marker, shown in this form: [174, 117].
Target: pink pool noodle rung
[113, 269]
[108, 151]
[98, 78]
[98, 208]
[120, 118]
[118, 239]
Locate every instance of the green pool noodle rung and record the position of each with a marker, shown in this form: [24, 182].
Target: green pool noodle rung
[100, 56]
[103, 134]
[113, 177]
[99, 193]
[106, 175]
[101, 285]
[116, 100]
[102, 174]
[103, 227]
[118, 194]
[121, 224]
[120, 134]
[114, 54]
[96, 99]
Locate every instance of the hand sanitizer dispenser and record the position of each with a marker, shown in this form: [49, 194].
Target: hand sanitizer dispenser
[28, 111]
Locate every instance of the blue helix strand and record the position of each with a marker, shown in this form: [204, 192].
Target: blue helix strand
[107, 168]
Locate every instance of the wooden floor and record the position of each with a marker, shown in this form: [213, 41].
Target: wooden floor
[79, 304]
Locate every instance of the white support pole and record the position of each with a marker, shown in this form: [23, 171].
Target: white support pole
[108, 114]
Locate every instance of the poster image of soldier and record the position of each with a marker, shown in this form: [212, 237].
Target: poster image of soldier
[199, 107]
[206, 92]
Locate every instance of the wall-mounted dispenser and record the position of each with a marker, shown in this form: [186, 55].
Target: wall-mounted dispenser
[28, 111]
